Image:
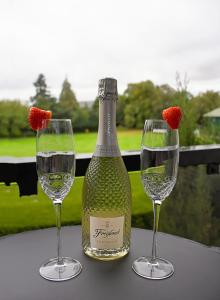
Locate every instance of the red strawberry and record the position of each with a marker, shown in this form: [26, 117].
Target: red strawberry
[173, 116]
[36, 116]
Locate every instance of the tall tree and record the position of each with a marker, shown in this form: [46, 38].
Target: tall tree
[41, 87]
[42, 98]
[67, 100]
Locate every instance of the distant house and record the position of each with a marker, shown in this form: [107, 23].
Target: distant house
[214, 116]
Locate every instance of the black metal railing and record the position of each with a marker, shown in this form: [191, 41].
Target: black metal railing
[23, 170]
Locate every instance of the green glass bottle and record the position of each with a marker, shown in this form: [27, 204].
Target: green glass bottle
[106, 217]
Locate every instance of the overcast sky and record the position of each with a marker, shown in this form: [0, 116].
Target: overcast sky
[130, 40]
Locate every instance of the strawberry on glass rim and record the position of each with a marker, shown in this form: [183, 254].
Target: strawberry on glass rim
[36, 117]
[172, 115]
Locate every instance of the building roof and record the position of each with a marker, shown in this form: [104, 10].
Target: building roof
[213, 114]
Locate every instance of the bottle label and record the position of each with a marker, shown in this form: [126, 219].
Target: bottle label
[106, 233]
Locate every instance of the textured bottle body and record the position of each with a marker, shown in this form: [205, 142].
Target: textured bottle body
[106, 219]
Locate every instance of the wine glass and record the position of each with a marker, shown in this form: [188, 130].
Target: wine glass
[56, 171]
[159, 165]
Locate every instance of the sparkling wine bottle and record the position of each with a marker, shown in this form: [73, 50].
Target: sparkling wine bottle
[106, 217]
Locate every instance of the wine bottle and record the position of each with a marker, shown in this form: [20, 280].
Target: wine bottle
[106, 217]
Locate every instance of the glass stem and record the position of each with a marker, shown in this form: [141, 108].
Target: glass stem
[156, 208]
[57, 207]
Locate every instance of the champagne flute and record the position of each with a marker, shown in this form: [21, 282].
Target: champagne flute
[159, 165]
[56, 171]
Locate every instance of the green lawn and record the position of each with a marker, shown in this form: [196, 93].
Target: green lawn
[36, 211]
[84, 142]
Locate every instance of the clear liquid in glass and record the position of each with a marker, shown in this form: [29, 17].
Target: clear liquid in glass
[157, 174]
[56, 184]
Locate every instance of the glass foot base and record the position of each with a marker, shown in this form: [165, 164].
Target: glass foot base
[53, 271]
[157, 269]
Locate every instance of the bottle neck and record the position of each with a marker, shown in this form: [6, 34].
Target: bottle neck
[107, 144]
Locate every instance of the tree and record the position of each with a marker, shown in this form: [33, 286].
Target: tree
[80, 118]
[181, 97]
[67, 102]
[188, 123]
[42, 98]
[67, 97]
[41, 87]
[94, 115]
[205, 102]
[120, 110]
[144, 100]
[13, 119]
[141, 101]
[167, 95]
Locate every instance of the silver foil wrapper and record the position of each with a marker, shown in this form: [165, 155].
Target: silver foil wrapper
[108, 89]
